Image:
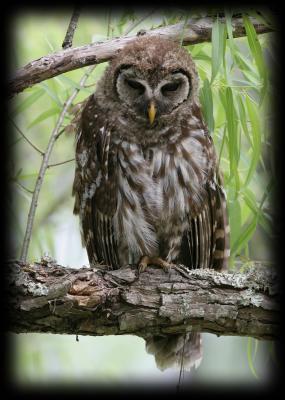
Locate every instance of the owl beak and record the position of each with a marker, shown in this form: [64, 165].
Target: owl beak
[151, 111]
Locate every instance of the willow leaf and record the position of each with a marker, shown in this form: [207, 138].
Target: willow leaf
[23, 105]
[256, 138]
[207, 103]
[229, 29]
[245, 236]
[249, 357]
[44, 115]
[243, 117]
[234, 219]
[232, 131]
[218, 46]
[255, 47]
[51, 93]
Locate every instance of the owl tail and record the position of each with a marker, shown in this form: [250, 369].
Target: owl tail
[184, 350]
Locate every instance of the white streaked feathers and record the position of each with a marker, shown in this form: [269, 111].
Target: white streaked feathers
[163, 195]
[134, 226]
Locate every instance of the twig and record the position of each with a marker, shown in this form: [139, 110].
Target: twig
[196, 31]
[60, 163]
[24, 187]
[88, 86]
[15, 142]
[25, 137]
[71, 28]
[54, 136]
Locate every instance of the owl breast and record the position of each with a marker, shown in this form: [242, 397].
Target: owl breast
[158, 187]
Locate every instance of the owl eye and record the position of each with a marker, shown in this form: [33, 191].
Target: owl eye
[170, 87]
[135, 85]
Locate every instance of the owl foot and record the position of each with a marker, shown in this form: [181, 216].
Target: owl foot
[146, 260]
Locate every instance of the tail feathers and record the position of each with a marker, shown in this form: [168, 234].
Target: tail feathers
[221, 233]
[176, 350]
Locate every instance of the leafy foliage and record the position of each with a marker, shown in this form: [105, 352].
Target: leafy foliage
[235, 94]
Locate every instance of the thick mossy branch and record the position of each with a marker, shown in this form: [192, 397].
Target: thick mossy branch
[193, 32]
[46, 297]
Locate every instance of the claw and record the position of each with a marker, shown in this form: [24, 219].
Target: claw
[146, 260]
[142, 267]
[166, 267]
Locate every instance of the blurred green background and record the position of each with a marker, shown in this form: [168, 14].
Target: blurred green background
[236, 93]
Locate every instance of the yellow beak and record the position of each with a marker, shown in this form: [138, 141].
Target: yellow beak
[151, 112]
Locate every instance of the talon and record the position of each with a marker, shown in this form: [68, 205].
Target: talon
[145, 261]
[142, 267]
[166, 267]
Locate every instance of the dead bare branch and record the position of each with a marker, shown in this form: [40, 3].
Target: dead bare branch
[71, 29]
[194, 31]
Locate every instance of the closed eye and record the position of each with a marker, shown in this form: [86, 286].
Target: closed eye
[135, 85]
[170, 87]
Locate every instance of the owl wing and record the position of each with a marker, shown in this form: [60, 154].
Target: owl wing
[206, 243]
[93, 186]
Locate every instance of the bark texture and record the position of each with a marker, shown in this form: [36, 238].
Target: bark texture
[193, 32]
[46, 297]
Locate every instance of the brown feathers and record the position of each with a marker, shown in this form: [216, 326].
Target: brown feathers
[144, 190]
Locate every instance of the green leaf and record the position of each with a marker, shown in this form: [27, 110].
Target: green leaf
[250, 200]
[247, 68]
[44, 115]
[222, 146]
[249, 357]
[51, 93]
[255, 348]
[50, 45]
[243, 83]
[229, 27]
[202, 56]
[255, 136]
[218, 46]
[234, 219]
[243, 116]
[244, 237]
[265, 219]
[33, 175]
[207, 104]
[23, 105]
[255, 46]
[233, 132]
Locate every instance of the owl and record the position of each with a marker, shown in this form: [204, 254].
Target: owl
[147, 186]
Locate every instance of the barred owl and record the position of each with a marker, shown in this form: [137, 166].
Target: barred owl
[147, 187]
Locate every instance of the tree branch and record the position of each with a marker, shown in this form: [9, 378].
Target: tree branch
[46, 297]
[71, 28]
[194, 31]
[61, 163]
[26, 138]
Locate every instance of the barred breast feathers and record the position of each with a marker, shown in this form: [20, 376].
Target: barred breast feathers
[156, 186]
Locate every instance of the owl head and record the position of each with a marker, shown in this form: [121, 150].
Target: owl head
[151, 80]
